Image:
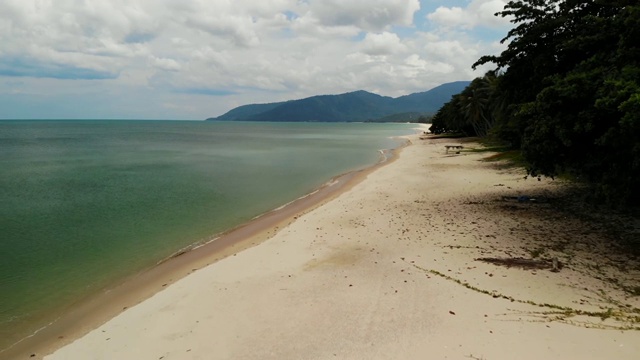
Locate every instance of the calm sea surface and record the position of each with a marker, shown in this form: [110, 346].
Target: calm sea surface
[84, 204]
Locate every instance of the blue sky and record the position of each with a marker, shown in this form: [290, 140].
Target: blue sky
[193, 59]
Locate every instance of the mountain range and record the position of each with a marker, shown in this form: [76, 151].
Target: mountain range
[353, 106]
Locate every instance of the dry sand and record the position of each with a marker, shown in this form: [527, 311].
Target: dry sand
[387, 270]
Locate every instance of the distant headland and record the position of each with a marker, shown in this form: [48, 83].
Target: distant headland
[357, 106]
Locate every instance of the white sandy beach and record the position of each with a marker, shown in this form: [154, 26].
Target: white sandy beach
[357, 278]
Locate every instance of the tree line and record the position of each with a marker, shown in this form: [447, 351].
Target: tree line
[565, 92]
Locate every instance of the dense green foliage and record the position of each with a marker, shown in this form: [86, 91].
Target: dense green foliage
[566, 93]
[412, 117]
[471, 112]
[353, 106]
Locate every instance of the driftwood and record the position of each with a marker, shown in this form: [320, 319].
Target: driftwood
[536, 264]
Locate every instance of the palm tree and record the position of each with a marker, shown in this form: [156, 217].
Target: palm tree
[475, 101]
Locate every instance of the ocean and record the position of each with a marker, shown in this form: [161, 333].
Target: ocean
[84, 204]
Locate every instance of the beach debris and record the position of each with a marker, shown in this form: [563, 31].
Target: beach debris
[451, 312]
[553, 264]
[525, 199]
[455, 147]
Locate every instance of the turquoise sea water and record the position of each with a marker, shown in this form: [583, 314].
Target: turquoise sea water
[84, 204]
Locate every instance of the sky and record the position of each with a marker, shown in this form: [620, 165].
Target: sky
[194, 59]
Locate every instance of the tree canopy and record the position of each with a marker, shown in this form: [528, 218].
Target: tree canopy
[565, 91]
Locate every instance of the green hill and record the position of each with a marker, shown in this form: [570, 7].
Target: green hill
[354, 106]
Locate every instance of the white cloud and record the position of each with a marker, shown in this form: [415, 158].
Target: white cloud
[238, 30]
[370, 15]
[311, 27]
[417, 64]
[382, 44]
[165, 64]
[93, 36]
[237, 51]
[477, 13]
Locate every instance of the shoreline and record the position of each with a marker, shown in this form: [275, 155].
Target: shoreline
[392, 268]
[97, 309]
